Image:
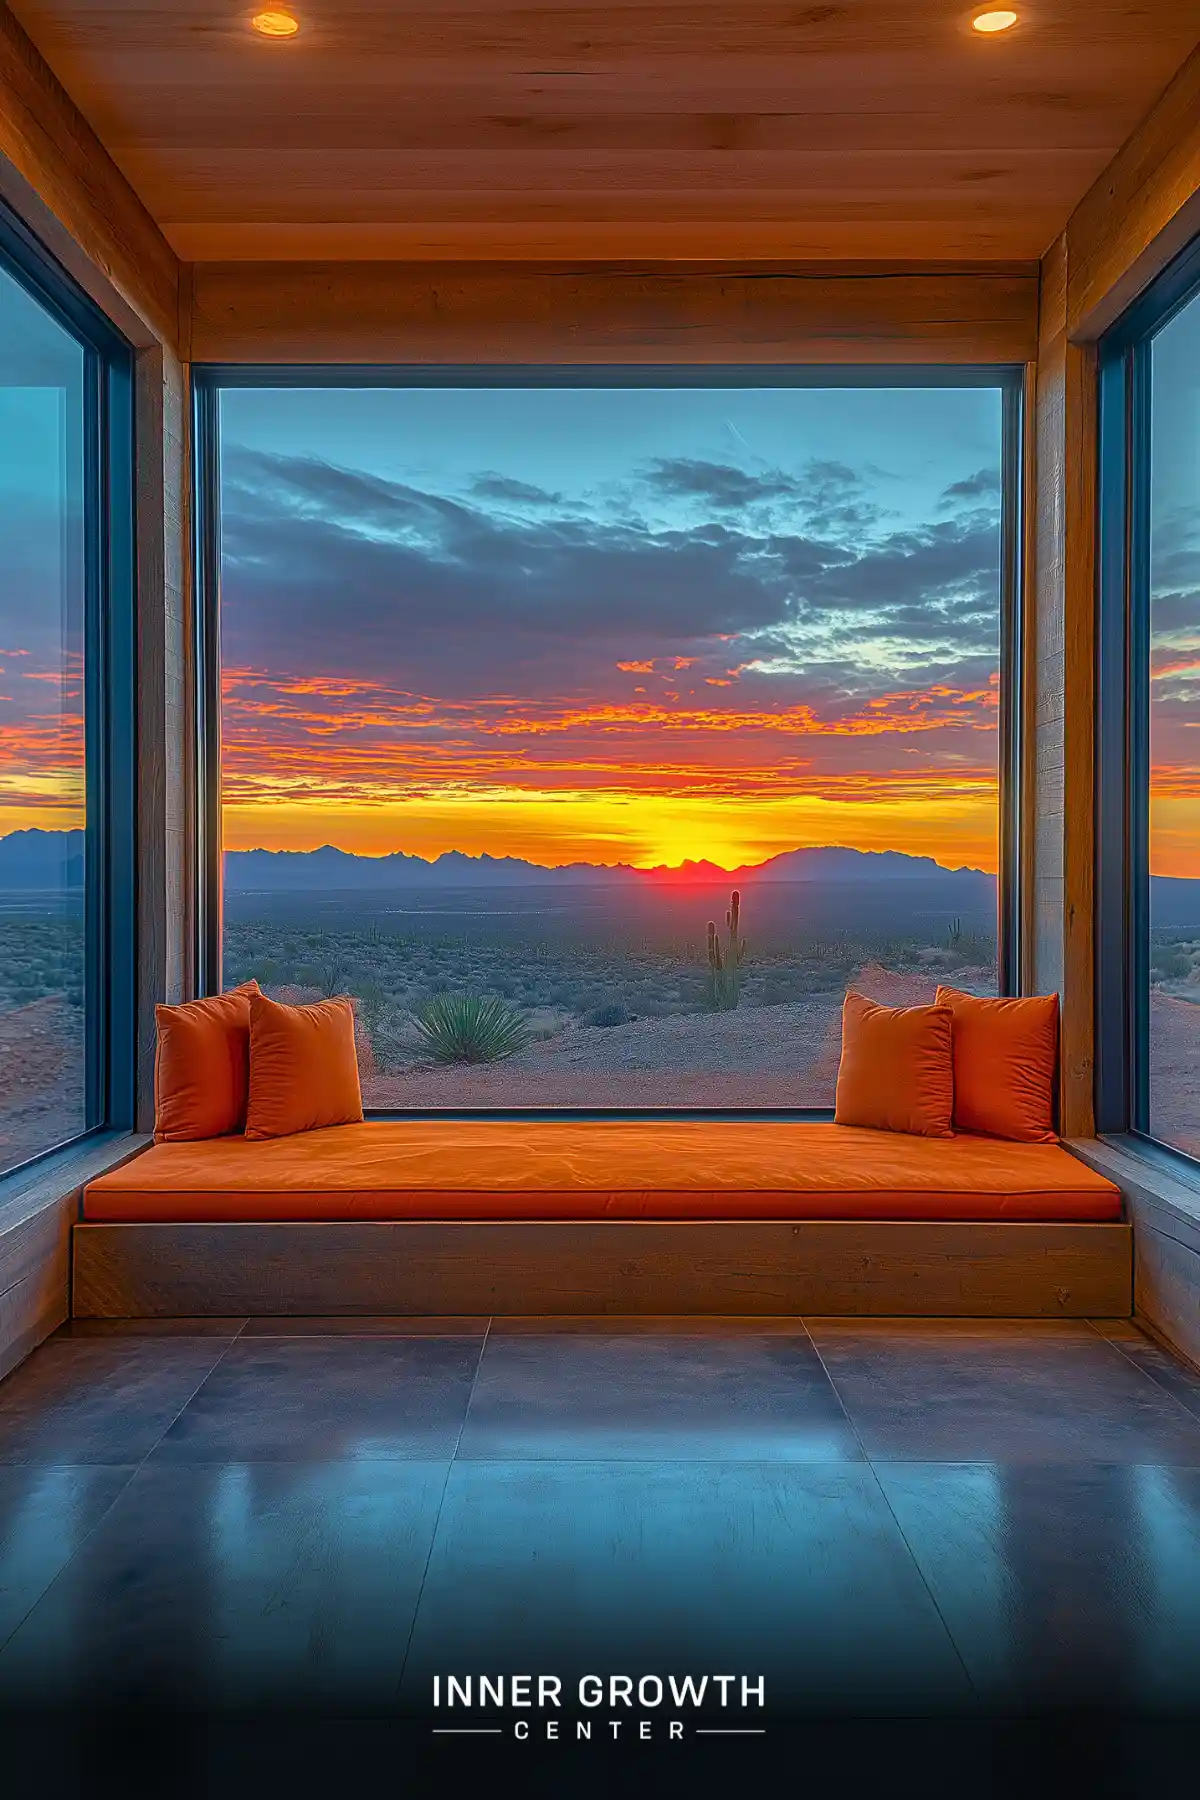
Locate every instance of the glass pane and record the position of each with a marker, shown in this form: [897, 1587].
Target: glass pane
[1174, 1048]
[521, 686]
[42, 1044]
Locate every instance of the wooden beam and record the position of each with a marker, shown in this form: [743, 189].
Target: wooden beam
[1143, 210]
[165, 899]
[387, 312]
[1061, 671]
[743, 1266]
[57, 174]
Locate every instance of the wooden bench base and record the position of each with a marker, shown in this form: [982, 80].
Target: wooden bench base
[880, 1269]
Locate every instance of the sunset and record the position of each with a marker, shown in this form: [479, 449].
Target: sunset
[611, 626]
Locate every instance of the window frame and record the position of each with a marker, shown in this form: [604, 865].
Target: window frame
[1123, 715]
[208, 380]
[110, 692]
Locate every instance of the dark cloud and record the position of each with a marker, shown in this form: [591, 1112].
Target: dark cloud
[718, 484]
[519, 493]
[353, 574]
[824, 494]
[984, 485]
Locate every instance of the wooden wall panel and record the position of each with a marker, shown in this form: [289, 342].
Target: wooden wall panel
[381, 312]
[56, 173]
[738, 1266]
[1164, 1208]
[36, 1218]
[1143, 210]
[57, 176]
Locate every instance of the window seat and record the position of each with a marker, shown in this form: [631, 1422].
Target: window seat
[603, 1217]
[502, 1169]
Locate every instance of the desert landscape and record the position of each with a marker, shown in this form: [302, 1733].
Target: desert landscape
[613, 991]
[605, 991]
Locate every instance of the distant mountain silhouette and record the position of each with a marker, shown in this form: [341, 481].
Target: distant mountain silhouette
[293, 871]
[54, 859]
[41, 859]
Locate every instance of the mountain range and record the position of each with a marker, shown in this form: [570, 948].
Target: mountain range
[45, 859]
[54, 859]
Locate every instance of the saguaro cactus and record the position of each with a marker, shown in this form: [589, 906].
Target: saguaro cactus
[725, 963]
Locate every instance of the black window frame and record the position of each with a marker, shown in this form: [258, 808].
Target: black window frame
[1122, 861]
[208, 379]
[110, 691]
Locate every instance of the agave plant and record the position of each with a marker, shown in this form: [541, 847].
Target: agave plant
[470, 1028]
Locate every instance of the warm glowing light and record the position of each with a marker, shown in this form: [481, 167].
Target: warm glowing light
[989, 22]
[275, 24]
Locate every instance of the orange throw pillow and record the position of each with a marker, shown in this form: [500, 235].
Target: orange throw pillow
[303, 1067]
[202, 1067]
[897, 1068]
[1005, 1056]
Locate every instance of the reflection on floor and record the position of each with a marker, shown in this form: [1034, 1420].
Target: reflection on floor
[889, 1519]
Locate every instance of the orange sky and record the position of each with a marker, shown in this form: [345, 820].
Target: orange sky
[655, 778]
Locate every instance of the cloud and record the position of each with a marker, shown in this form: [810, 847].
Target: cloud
[718, 484]
[380, 634]
[984, 485]
[504, 489]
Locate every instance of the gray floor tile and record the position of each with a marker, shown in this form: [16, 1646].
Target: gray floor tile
[102, 1400]
[649, 1397]
[302, 1399]
[387, 1325]
[1063, 1585]
[45, 1514]
[142, 1328]
[794, 1573]
[252, 1585]
[707, 1325]
[1169, 1372]
[936, 1391]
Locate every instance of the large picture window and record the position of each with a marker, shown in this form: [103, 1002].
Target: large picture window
[597, 733]
[1150, 719]
[63, 676]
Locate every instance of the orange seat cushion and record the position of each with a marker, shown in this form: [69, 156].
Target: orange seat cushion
[1005, 1056]
[897, 1068]
[202, 1066]
[303, 1067]
[502, 1169]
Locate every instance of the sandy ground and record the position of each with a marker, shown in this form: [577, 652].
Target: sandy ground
[767, 1056]
[757, 1056]
[1175, 1070]
[41, 1078]
[772, 1056]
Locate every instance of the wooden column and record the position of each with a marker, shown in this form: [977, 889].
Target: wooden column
[165, 714]
[1060, 672]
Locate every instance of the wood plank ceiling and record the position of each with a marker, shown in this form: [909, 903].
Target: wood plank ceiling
[877, 130]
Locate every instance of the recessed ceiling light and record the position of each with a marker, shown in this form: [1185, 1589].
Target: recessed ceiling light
[275, 24]
[989, 22]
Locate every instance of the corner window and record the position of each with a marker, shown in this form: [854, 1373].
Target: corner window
[596, 731]
[1173, 1009]
[63, 394]
[1149, 875]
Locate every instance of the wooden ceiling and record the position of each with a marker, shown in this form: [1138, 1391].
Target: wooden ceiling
[693, 129]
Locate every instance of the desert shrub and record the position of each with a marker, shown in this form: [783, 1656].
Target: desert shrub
[1170, 965]
[470, 1028]
[607, 1015]
[391, 1043]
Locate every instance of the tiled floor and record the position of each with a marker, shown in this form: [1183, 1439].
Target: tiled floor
[890, 1519]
